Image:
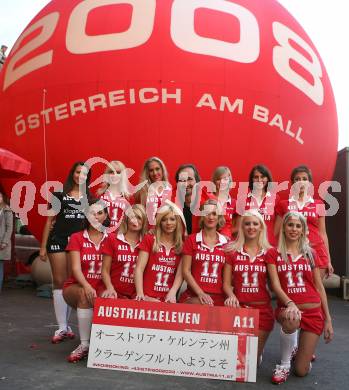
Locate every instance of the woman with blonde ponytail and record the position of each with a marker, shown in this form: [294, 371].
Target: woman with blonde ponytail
[301, 297]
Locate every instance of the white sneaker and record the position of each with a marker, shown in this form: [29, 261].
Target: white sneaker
[62, 334]
[280, 374]
[78, 354]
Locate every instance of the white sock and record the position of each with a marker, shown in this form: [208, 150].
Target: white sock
[68, 313]
[60, 307]
[84, 322]
[288, 341]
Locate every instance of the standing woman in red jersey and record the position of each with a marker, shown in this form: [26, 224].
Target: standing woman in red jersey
[68, 218]
[261, 198]
[245, 273]
[303, 202]
[80, 290]
[158, 273]
[156, 188]
[121, 253]
[301, 297]
[204, 258]
[114, 191]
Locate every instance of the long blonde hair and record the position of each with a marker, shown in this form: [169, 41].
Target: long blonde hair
[303, 243]
[138, 210]
[239, 243]
[142, 194]
[123, 182]
[145, 170]
[162, 212]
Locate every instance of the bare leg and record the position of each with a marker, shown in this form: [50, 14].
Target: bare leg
[323, 273]
[306, 349]
[262, 339]
[59, 267]
[75, 297]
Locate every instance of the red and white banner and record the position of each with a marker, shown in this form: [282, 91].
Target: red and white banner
[174, 339]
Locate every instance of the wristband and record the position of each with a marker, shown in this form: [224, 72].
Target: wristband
[287, 303]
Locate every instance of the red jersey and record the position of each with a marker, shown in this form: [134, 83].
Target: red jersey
[154, 201]
[249, 276]
[267, 209]
[296, 277]
[117, 205]
[160, 271]
[312, 211]
[124, 259]
[90, 256]
[207, 263]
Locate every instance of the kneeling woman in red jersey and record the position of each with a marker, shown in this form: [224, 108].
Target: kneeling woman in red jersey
[302, 301]
[85, 251]
[245, 273]
[158, 274]
[121, 253]
[204, 258]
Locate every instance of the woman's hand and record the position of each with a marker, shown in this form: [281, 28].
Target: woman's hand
[232, 301]
[170, 298]
[292, 312]
[109, 293]
[43, 254]
[140, 297]
[328, 331]
[90, 294]
[330, 270]
[205, 299]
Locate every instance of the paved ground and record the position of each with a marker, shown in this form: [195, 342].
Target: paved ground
[28, 360]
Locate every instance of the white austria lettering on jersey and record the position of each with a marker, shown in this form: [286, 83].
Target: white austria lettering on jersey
[210, 269]
[162, 279]
[183, 34]
[185, 37]
[126, 271]
[140, 30]
[95, 269]
[246, 280]
[292, 283]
